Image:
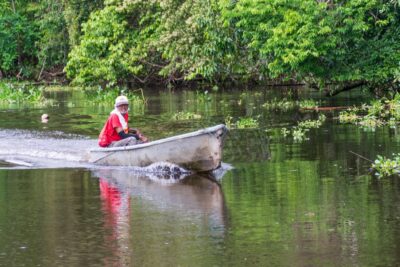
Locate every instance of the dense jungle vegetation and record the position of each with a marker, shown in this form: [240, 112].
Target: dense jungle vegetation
[343, 44]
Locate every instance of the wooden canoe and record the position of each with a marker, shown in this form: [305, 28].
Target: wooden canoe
[198, 151]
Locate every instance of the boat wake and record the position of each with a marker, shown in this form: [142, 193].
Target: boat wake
[36, 147]
[160, 172]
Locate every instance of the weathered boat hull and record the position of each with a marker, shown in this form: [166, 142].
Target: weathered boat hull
[197, 151]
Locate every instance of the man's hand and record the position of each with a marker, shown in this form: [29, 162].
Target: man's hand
[143, 138]
[134, 131]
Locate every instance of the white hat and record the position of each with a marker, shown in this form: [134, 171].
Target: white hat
[121, 100]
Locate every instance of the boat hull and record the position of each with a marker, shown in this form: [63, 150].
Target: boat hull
[197, 151]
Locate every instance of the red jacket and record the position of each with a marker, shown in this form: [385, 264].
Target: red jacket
[108, 134]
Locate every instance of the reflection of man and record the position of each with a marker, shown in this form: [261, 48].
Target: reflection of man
[110, 195]
[115, 131]
[116, 208]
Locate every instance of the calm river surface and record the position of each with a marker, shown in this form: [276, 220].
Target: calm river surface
[284, 203]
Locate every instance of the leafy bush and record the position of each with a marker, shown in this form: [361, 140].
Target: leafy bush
[102, 58]
[17, 43]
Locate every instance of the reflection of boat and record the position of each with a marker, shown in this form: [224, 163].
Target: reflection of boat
[196, 151]
[194, 194]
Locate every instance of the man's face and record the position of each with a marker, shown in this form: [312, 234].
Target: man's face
[123, 108]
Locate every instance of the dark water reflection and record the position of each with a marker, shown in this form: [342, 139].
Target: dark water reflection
[65, 217]
[167, 217]
[285, 203]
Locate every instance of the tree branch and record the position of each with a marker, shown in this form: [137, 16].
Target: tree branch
[344, 88]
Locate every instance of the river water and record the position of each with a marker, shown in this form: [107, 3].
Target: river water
[276, 202]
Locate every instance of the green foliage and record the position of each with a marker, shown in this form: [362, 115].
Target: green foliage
[393, 107]
[309, 124]
[283, 36]
[53, 40]
[285, 104]
[378, 113]
[241, 123]
[107, 96]
[285, 132]
[194, 41]
[75, 13]
[185, 115]
[320, 42]
[101, 56]
[370, 122]
[203, 96]
[113, 48]
[348, 116]
[17, 42]
[18, 93]
[299, 132]
[174, 39]
[386, 167]
[376, 108]
[279, 104]
[122, 42]
[308, 103]
[34, 35]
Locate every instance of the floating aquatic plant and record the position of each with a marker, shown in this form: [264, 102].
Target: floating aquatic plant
[370, 122]
[247, 123]
[378, 113]
[285, 132]
[241, 123]
[348, 116]
[308, 103]
[279, 104]
[299, 132]
[285, 104]
[386, 167]
[185, 115]
[308, 124]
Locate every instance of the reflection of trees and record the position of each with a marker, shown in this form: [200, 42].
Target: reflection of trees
[301, 213]
[244, 145]
[54, 215]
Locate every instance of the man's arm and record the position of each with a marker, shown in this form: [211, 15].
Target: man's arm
[124, 135]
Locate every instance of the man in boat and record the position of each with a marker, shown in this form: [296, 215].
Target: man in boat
[116, 131]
